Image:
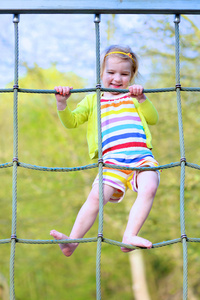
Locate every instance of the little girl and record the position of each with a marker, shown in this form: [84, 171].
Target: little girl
[126, 141]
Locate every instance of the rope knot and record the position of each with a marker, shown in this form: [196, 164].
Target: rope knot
[183, 159]
[98, 86]
[100, 160]
[100, 235]
[15, 159]
[178, 86]
[184, 236]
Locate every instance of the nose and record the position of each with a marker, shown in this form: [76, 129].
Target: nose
[117, 77]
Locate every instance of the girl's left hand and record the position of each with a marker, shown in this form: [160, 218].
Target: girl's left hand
[136, 91]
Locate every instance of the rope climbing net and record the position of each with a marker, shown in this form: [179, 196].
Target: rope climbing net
[15, 164]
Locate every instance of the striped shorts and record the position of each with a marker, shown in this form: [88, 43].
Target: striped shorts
[121, 180]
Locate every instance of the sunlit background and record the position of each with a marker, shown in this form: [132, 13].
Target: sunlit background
[60, 49]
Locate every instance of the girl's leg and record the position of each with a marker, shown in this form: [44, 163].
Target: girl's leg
[85, 218]
[147, 182]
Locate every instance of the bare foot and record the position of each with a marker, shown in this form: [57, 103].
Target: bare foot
[136, 241]
[67, 249]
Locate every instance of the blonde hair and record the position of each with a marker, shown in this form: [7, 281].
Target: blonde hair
[123, 52]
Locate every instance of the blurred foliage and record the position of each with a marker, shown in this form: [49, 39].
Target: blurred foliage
[48, 200]
[166, 264]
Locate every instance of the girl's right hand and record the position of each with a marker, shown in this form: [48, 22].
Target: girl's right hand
[62, 96]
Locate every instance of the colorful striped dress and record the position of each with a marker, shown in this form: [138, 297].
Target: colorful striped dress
[123, 143]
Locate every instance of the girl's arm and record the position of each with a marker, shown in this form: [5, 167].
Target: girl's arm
[146, 107]
[62, 96]
[70, 119]
[136, 91]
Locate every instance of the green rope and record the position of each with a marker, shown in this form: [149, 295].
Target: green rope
[5, 241]
[6, 165]
[92, 166]
[68, 241]
[194, 166]
[100, 238]
[86, 90]
[15, 159]
[94, 239]
[183, 160]
[50, 169]
[100, 227]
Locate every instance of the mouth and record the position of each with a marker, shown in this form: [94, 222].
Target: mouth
[115, 86]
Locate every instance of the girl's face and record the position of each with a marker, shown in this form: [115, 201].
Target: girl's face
[116, 74]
